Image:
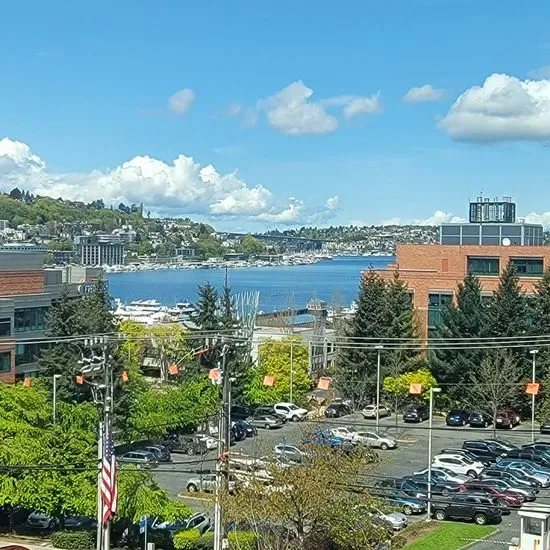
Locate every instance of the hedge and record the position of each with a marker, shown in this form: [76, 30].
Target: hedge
[74, 540]
[192, 540]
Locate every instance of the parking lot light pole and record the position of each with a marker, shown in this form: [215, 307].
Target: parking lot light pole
[432, 391]
[379, 349]
[533, 352]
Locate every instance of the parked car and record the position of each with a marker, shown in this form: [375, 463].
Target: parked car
[528, 493]
[162, 453]
[480, 419]
[370, 411]
[397, 520]
[532, 466]
[39, 520]
[324, 438]
[523, 471]
[201, 522]
[507, 418]
[372, 439]
[238, 432]
[268, 409]
[291, 452]
[457, 417]
[465, 453]
[239, 412]
[438, 486]
[291, 411]
[405, 503]
[473, 507]
[250, 430]
[267, 421]
[545, 427]
[484, 449]
[458, 464]
[520, 481]
[80, 522]
[188, 444]
[537, 457]
[206, 483]
[541, 446]
[140, 459]
[416, 413]
[209, 441]
[513, 500]
[336, 410]
[442, 474]
[344, 432]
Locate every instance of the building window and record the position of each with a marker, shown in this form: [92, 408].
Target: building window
[483, 266]
[30, 319]
[5, 326]
[528, 267]
[436, 302]
[26, 353]
[5, 361]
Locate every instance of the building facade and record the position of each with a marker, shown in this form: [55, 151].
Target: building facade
[97, 250]
[432, 272]
[26, 293]
[491, 234]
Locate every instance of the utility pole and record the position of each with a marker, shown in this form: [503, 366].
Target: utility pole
[291, 369]
[222, 465]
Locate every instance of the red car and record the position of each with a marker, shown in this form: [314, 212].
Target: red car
[511, 500]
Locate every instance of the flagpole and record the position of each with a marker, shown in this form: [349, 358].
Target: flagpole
[108, 381]
[99, 544]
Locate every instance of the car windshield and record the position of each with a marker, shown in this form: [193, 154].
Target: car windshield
[456, 411]
[292, 407]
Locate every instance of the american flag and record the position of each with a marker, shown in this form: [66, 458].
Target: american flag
[109, 478]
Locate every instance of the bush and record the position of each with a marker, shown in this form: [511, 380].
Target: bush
[243, 540]
[186, 540]
[74, 540]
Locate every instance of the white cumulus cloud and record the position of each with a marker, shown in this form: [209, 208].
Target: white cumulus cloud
[181, 186]
[437, 218]
[423, 93]
[293, 111]
[503, 108]
[180, 102]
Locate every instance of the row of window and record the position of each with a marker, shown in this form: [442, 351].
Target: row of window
[30, 319]
[525, 267]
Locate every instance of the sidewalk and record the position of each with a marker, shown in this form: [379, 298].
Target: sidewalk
[26, 542]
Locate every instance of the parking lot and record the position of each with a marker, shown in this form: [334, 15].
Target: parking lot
[411, 455]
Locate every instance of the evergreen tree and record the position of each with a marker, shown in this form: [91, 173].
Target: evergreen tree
[467, 318]
[356, 365]
[228, 319]
[539, 312]
[96, 316]
[508, 309]
[207, 308]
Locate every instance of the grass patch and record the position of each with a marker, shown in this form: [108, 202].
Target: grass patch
[450, 536]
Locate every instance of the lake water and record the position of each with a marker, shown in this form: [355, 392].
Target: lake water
[336, 281]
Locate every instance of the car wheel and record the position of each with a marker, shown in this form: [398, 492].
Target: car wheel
[471, 473]
[407, 510]
[192, 488]
[384, 446]
[138, 466]
[480, 519]
[295, 418]
[267, 426]
[440, 515]
[190, 451]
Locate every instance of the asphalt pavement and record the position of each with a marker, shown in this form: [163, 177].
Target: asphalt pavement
[411, 455]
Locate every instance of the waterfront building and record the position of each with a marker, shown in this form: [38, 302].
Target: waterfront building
[97, 250]
[433, 271]
[26, 293]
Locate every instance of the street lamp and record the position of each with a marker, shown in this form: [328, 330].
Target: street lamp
[432, 391]
[533, 352]
[379, 348]
[56, 377]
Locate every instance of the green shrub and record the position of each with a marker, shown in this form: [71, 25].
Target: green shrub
[243, 540]
[186, 540]
[74, 540]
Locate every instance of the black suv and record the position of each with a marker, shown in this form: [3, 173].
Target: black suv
[484, 449]
[188, 444]
[335, 410]
[239, 412]
[473, 507]
[416, 413]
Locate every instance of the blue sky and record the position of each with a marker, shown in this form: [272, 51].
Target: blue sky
[298, 107]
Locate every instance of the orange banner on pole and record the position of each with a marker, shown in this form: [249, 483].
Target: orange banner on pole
[532, 388]
[269, 380]
[415, 389]
[215, 376]
[173, 369]
[27, 383]
[79, 379]
[124, 376]
[324, 383]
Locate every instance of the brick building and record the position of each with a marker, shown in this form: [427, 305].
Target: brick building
[26, 293]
